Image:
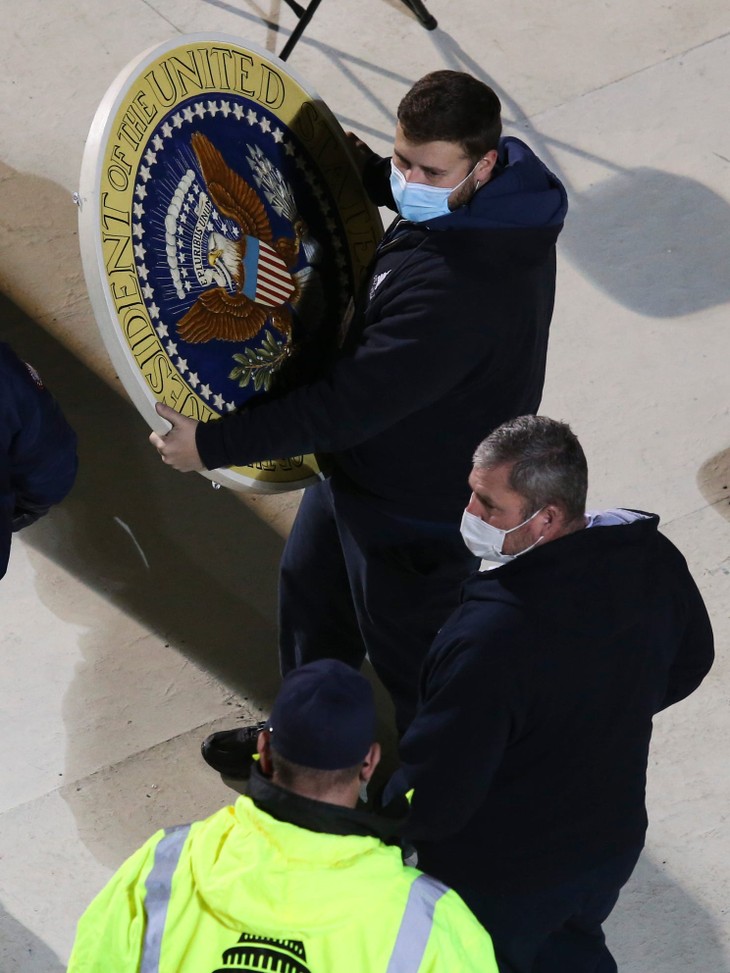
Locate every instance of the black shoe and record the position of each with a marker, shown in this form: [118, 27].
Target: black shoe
[230, 751]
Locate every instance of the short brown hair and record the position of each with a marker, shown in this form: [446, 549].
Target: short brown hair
[291, 775]
[451, 106]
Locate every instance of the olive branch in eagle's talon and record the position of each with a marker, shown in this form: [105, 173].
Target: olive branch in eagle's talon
[258, 365]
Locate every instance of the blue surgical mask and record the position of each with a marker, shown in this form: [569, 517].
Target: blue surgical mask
[418, 202]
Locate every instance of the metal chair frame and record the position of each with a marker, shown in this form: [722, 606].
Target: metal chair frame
[305, 14]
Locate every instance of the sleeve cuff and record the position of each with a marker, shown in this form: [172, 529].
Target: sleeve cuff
[209, 442]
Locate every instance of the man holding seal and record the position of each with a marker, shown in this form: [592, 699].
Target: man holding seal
[448, 339]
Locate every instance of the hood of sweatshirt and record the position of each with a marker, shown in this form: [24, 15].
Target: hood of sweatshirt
[313, 879]
[522, 192]
[587, 583]
[510, 222]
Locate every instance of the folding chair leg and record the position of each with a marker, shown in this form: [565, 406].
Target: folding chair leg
[419, 9]
[304, 19]
[306, 14]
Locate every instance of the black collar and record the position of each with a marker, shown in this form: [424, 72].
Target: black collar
[325, 818]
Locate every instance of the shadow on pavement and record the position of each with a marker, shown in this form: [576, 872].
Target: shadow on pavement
[22, 952]
[191, 563]
[713, 479]
[658, 926]
[655, 241]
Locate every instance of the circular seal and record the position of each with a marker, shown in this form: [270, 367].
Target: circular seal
[224, 231]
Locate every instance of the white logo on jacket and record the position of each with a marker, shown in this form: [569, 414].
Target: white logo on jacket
[377, 281]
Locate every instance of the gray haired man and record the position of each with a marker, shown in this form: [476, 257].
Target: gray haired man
[529, 749]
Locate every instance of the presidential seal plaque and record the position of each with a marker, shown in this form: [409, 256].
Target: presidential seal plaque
[224, 230]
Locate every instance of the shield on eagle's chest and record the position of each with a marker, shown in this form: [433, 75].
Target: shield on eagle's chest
[265, 277]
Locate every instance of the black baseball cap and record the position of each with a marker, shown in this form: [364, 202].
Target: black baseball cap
[323, 716]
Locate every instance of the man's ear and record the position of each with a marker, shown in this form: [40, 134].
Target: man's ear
[552, 521]
[263, 745]
[371, 761]
[485, 166]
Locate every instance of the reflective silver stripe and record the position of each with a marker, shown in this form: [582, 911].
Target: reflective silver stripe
[416, 924]
[159, 880]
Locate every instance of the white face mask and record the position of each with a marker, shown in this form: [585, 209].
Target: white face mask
[486, 541]
[418, 202]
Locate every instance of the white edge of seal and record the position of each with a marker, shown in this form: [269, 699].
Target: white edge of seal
[91, 248]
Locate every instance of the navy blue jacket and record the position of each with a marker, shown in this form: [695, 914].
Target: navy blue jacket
[37, 449]
[449, 340]
[529, 750]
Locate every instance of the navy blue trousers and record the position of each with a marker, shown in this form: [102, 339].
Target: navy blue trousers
[557, 929]
[355, 580]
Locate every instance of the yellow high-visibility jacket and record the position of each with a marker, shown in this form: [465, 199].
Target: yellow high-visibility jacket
[242, 890]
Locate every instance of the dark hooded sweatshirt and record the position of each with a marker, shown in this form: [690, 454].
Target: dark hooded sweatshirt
[448, 340]
[528, 753]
